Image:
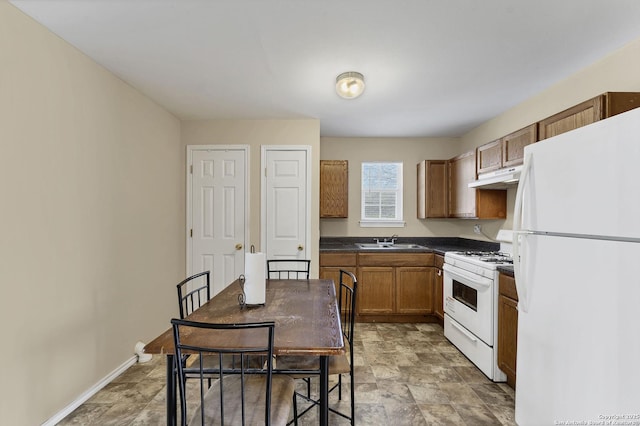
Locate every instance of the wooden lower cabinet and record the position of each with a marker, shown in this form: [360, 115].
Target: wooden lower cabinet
[438, 284]
[414, 290]
[508, 328]
[332, 263]
[392, 287]
[376, 290]
[395, 287]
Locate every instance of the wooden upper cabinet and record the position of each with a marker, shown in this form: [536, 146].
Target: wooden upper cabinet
[507, 151]
[462, 170]
[433, 188]
[598, 108]
[490, 156]
[472, 202]
[514, 143]
[334, 188]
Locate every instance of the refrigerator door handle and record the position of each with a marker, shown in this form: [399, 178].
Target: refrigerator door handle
[519, 235]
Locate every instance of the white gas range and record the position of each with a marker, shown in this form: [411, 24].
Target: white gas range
[471, 306]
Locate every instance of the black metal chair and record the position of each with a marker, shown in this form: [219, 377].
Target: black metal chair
[288, 269]
[244, 395]
[191, 299]
[339, 364]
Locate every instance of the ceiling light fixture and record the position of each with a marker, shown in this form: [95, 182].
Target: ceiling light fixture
[350, 85]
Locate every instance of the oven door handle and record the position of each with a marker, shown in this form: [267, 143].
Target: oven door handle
[464, 332]
[473, 281]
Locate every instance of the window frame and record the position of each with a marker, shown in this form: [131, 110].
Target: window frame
[398, 221]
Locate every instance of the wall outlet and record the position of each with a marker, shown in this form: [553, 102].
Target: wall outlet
[477, 229]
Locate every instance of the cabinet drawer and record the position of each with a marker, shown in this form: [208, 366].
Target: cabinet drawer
[395, 259]
[338, 259]
[508, 287]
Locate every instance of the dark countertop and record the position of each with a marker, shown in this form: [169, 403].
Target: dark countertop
[507, 270]
[438, 245]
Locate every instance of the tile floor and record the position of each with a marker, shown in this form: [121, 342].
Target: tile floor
[405, 374]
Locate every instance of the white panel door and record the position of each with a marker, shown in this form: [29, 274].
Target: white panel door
[285, 214]
[217, 209]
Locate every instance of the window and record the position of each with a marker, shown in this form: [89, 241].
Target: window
[381, 195]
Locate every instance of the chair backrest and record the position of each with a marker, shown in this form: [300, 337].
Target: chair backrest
[288, 269]
[192, 298]
[195, 338]
[348, 289]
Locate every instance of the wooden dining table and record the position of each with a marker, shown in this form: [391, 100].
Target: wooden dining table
[307, 323]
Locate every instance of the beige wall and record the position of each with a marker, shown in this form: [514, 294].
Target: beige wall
[91, 218]
[256, 133]
[409, 151]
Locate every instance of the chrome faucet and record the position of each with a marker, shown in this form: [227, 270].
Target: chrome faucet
[385, 240]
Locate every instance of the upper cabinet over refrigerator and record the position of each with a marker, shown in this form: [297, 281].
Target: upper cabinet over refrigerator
[586, 181]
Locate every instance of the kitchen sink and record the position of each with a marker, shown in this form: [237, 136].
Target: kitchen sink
[388, 246]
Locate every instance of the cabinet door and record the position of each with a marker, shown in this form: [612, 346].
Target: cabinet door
[507, 337]
[602, 106]
[507, 328]
[490, 156]
[462, 199]
[334, 181]
[438, 284]
[433, 187]
[332, 263]
[514, 143]
[580, 115]
[375, 290]
[414, 290]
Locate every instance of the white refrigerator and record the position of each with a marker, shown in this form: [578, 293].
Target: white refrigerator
[577, 271]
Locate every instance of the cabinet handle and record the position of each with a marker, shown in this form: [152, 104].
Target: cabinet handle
[300, 247]
[439, 272]
[238, 246]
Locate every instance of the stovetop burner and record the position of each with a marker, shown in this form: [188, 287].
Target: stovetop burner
[501, 259]
[491, 257]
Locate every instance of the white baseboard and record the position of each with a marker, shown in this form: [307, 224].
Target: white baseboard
[90, 392]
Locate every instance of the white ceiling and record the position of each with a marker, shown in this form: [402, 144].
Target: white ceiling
[432, 67]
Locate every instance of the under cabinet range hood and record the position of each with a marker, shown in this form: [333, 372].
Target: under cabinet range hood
[499, 179]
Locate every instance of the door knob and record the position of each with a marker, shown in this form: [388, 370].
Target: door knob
[238, 246]
[300, 247]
